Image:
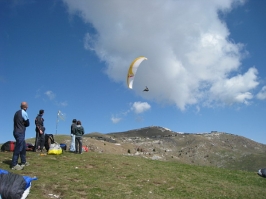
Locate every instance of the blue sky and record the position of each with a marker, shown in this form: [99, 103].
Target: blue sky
[205, 69]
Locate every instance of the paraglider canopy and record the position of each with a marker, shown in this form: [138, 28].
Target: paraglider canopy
[133, 69]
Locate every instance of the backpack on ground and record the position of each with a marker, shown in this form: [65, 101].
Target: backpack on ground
[14, 186]
[49, 139]
[55, 149]
[262, 172]
[85, 148]
[8, 146]
[29, 147]
[63, 146]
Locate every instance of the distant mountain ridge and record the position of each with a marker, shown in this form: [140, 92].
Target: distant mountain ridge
[218, 149]
[146, 132]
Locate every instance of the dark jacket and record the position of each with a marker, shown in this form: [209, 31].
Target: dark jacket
[73, 126]
[79, 131]
[19, 123]
[39, 122]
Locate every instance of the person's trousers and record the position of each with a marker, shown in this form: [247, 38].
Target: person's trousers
[36, 140]
[78, 141]
[20, 149]
[39, 140]
[72, 145]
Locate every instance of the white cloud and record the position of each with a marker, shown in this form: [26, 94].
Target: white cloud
[50, 95]
[191, 57]
[235, 89]
[262, 94]
[140, 107]
[115, 120]
[63, 103]
[136, 107]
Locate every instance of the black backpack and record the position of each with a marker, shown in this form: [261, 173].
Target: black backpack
[49, 139]
[8, 146]
[262, 172]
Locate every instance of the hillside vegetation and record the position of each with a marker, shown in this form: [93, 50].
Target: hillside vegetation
[103, 175]
[217, 149]
[151, 162]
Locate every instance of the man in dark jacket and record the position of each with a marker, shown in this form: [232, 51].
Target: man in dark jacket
[21, 121]
[79, 132]
[40, 137]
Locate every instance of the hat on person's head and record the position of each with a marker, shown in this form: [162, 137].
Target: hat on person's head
[41, 111]
[74, 120]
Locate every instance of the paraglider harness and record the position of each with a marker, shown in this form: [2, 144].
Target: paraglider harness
[14, 186]
[146, 89]
[49, 139]
[51, 146]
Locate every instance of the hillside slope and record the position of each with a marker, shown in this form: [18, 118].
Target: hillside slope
[216, 149]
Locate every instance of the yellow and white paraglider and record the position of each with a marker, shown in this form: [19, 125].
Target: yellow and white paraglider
[133, 69]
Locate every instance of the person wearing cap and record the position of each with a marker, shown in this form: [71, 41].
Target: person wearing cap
[40, 129]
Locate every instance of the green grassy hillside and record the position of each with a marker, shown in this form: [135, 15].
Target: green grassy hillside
[106, 175]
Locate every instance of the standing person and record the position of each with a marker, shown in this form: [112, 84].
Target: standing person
[79, 132]
[40, 129]
[21, 121]
[73, 126]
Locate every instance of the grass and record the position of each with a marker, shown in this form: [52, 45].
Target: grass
[102, 175]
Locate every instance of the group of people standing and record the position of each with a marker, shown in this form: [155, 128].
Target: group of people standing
[77, 131]
[21, 121]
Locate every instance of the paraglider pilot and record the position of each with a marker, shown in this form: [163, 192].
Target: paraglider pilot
[146, 89]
